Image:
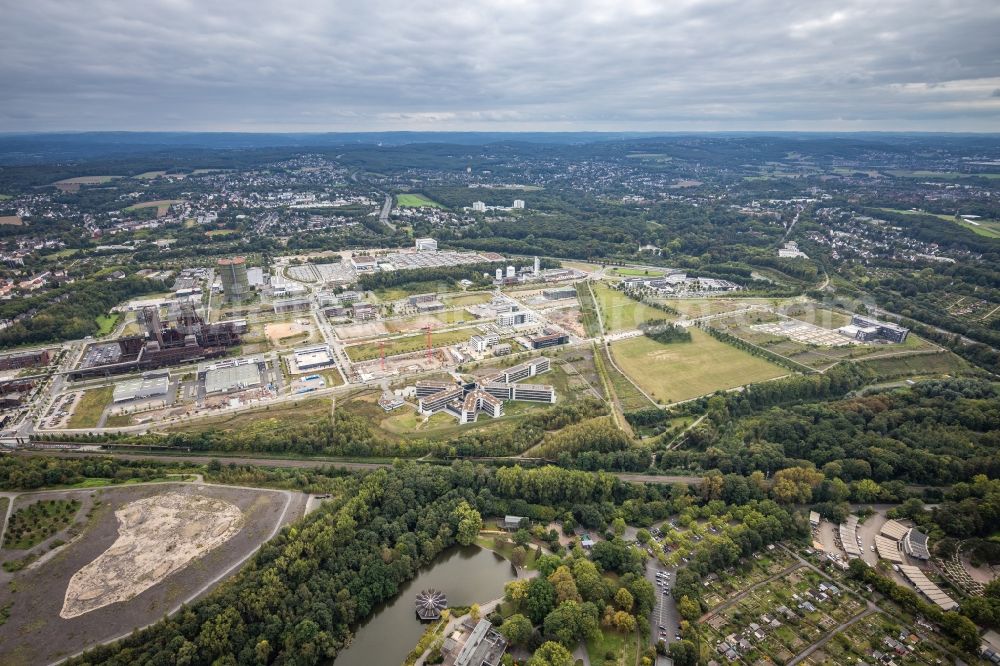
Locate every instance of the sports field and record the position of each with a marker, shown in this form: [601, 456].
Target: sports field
[621, 313]
[416, 201]
[683, 370]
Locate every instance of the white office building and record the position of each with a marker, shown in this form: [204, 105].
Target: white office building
[518, 204]
[479, 206]
[426, 245]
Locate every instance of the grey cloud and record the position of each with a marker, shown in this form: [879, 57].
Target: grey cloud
[500, 64]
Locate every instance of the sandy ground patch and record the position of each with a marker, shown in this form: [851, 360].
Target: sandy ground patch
[13, 220]
[568, 318]
[275, 332]
[157, 535]
[361, 330]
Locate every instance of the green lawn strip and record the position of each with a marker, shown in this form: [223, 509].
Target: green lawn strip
[91, 406]
[621, 313]
[107, 323]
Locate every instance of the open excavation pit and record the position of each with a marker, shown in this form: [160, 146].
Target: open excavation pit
[156, 537]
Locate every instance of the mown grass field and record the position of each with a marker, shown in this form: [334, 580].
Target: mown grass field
[684, 370]
[406, 344]
[91, 406]
[621, 313]
[465, 300]
[107, 323]
[416, 201]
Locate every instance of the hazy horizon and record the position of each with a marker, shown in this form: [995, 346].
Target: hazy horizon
[637, 65]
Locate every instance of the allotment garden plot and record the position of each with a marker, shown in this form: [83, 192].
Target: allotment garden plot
[780, 618]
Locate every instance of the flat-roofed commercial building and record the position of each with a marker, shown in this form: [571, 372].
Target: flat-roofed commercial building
[515, 318]
[887, 330]
[440, 400]
[535, 366]
[425, 245]
[317, 356]
[500, 390]
[534, 393]
[364, 311]
[291, 305]
[428, 387]
[548, 340]
[235, 374]
[559, 293]
[483, 342]
[480, 401]
[141, 388]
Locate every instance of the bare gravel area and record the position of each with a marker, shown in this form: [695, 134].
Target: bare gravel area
[36, 633]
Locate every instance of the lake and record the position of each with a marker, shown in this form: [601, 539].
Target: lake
[466, 575]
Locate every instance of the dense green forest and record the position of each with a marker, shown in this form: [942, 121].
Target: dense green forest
[935, 432]
[69, 312]
[298, 599]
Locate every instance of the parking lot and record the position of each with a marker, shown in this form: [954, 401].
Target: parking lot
[664, 621]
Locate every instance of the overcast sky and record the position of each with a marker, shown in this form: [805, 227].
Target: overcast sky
[333, 65]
